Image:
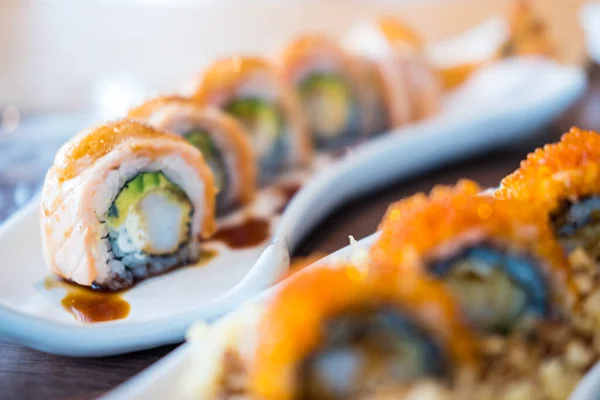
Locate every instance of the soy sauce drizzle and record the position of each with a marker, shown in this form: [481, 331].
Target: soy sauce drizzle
[88, 305]
[288, 191]
[249, 233]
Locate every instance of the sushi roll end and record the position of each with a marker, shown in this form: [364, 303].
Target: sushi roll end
[497, 257]
[362, 333]
[124, 202]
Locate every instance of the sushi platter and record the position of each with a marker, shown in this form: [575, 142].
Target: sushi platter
[178, 220]
[32, 314]
[136, 244]
[533, 229]
[164, 378]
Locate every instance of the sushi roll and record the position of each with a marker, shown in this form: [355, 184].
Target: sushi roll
[328, 83]
[341, 333]
[499, 258]
[123, 202]
[412, 88]
[251, 90]
[223, 141]
[563, 181]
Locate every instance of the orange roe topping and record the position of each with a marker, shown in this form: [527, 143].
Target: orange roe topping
[559, 171]
[148, 108]
[398, 33]
[292, 326]
[226, 74]
[421, 228]
[85, 148]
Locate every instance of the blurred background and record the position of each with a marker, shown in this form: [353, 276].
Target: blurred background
[69, 63]
[63, 55]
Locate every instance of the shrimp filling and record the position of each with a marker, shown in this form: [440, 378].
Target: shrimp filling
[214, 158]
[149, 220]
[330, 109]
[577, 225]
[366, 349]
[264, 122]
[496, 289]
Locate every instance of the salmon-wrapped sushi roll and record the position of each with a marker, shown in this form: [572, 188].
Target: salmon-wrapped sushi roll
[412, 88]
[341, 333]
[328, 83]
[497, 257]
[223, 141]
[123, 202]
[252, 90]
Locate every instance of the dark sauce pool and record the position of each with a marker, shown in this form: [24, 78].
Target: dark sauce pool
[92, 304]
[250, 232]
[88, 305]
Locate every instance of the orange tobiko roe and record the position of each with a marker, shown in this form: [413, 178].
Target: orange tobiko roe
[88, 146]
[557, 172]
[292, 325]
[421, 228]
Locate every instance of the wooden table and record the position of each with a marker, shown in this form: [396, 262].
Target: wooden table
[29, 374]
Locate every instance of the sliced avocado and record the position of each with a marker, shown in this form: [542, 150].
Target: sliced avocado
[136, 189]
[328, 104]
[203, 142]
[261, 118]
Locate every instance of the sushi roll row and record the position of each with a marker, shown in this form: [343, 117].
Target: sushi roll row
[320, 93]
[132, 199]
[464, 294]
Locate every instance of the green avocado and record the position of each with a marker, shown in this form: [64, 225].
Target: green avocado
[137, 188]
[328, 104]
[213, 157]
[261, 118]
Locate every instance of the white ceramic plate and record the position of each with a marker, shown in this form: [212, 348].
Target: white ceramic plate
[497, 106]
[163, 379]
